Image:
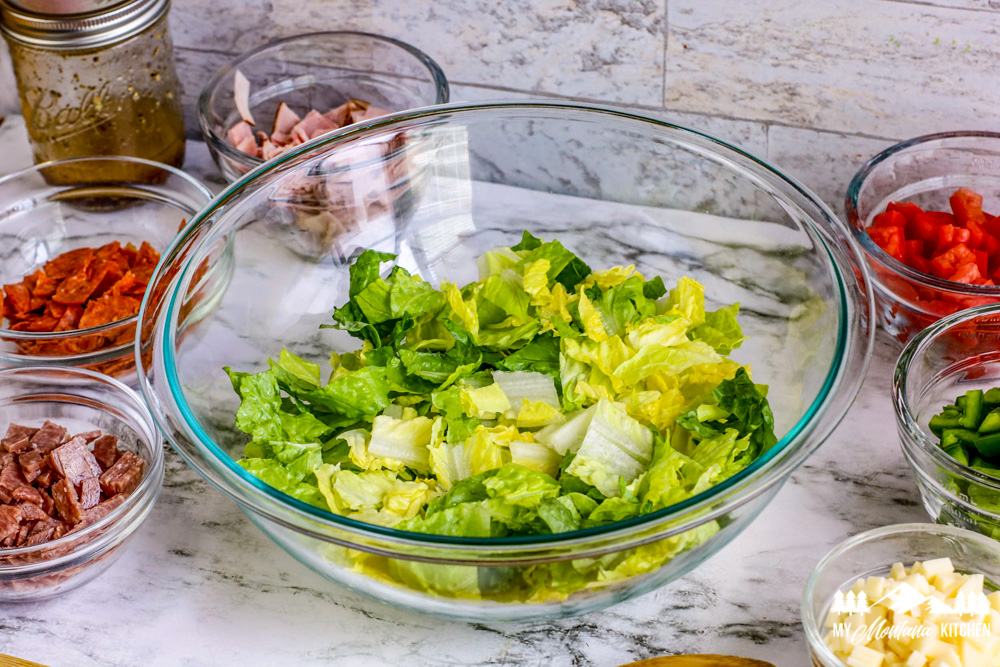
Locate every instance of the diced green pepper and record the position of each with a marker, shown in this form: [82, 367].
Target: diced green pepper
[991, 422]
[959, 403]
[992, 397]
[973, 408]
[953, 436]
[988, 445]
[942, 421]
[958, 453]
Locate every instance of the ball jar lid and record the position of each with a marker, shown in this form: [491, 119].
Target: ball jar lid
[77, 24]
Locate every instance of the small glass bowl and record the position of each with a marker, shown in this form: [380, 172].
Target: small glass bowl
[80, 400]
[321, 71]
[925, 171]
[872, 553]
[958, 353]
[54, 207]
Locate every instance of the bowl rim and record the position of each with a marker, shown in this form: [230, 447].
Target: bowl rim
[880, 256]
[906, 420]
[150, 485]
[776, 468]
[60, 336]
[219, 143]
[812, 625]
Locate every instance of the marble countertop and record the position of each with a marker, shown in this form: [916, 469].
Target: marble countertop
[201, 586]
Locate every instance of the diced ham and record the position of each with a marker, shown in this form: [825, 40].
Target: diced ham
[241, 97]
[32, 512]
[269, 150]
[10, 521]
[16, 432]
[90, 492]
[32, 464]
[67, 502]
[48, 505]
[74, 461]
[10, 479]
[124, 476]
[242, 137]
[27, 494]
[368, 113]
[48, 437]
[338, 116]
[106, 450]
[284, 120]
[312, 126]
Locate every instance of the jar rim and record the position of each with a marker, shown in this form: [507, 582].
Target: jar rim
[67, 32]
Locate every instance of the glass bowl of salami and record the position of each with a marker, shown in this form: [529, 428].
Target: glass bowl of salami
[79, 239]
[80, 468]
[285, 93]
[925, 212]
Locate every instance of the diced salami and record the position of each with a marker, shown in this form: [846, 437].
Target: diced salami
[23, 532]
[74, 461]
[10, 521]
[32, 512]
[44, 480]
[52, 485]
[18, 446]
[27, 494]
[32, 464]
[16, 432]
[10, 479]
[42, 532]
[106, 450]
[124, 476]
[88, 436]
[90, 493]
[48, 437]
[67, 503]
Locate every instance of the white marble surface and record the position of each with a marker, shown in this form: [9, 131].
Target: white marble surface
[200, 586]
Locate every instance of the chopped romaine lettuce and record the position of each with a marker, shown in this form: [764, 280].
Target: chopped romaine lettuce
[543, 398]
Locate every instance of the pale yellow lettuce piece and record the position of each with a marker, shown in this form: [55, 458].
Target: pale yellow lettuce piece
[593, 326]
[484, 402]
[612, 277]
[651, 332]
[465, 310]
[534, 414]
[489, 447]
[687, 299]
[407, 498]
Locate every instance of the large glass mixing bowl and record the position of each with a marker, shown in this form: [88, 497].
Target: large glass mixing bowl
[446, 184]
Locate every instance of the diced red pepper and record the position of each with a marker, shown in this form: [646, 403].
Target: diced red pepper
[889, 219]
[950, 236]
[966, 273]
[926, 225]
[909, 210]
[889, 239]
[982, 261]
[967, 206]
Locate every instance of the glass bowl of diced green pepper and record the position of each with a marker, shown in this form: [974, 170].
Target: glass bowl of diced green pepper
[947, 401]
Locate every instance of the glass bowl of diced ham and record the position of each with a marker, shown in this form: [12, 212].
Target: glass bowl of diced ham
[281, 95]
[81, 466]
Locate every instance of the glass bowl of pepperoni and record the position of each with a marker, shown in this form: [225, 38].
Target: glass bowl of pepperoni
[81, 466]
[926, 212]
[79, 239]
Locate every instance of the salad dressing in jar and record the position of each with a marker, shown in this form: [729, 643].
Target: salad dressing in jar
[96, 77]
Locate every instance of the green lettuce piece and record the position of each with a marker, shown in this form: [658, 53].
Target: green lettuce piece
[541, 355]
[412, 296]
[366, 269]
[507, 294]
[468, 519]
[299, 460]
[449, 404]
[258, 414]
[508, 338]
[374, 302]
[295, 374]
[528, 242]
[616, 447]
[273, 473]
[560, 514]
[624, 304]
[720, 330]
[520, 486]
[612, 510]
[363, 393]
[750, 411]
[564, 266]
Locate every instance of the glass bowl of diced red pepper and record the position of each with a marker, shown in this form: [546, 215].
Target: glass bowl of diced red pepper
[79, 240]
[927, 214]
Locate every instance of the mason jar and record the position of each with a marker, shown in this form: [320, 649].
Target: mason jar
[96, 77]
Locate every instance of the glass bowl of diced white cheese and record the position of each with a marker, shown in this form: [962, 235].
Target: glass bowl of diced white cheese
[912, 595]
